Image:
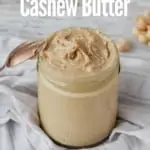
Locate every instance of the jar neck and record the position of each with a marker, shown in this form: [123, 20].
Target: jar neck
[78, 86]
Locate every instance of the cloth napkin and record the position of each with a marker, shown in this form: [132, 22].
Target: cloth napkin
[19, 122]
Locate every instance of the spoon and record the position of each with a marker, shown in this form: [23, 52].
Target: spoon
[25, 51]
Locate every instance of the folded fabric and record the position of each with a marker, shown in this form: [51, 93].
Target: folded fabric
[19, 122]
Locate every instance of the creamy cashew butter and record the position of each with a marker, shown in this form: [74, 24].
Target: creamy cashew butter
[78, 73]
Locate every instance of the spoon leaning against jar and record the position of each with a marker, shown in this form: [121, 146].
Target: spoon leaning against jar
[25, 51]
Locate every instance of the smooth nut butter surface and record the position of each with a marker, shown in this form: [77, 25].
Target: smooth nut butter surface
[77, 86]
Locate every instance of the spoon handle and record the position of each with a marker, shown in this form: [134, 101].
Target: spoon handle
[1, 68]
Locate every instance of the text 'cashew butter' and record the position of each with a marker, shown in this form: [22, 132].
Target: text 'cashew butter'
[78, 86]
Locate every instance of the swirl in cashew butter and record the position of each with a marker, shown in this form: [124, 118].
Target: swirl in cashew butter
[77, 49]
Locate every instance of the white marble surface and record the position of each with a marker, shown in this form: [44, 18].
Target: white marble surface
[13, 24]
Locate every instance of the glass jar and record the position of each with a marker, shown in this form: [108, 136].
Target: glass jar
[78, 110]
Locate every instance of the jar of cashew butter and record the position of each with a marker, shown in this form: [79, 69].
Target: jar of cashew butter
[78, 72]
